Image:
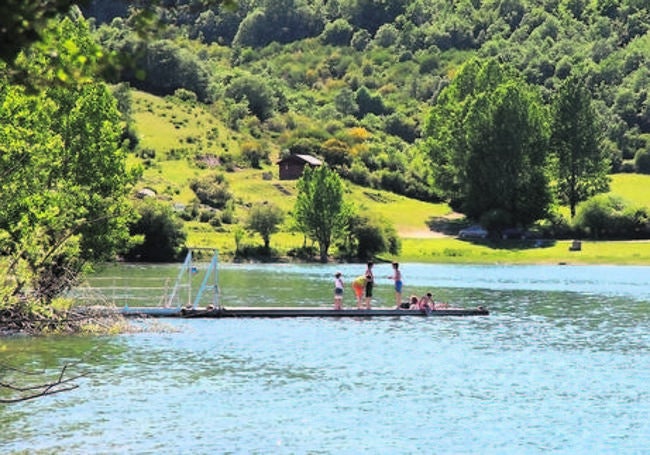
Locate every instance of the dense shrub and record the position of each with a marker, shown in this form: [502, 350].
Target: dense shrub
[555, 226]
[358, 173]
[401, 126]
[254, 154]
[335, 152]
[304, 146]
[337, 33]
[212, 190]
[610, 217]
[642, 161]
[369, 103]
[162, 233]
[369, 237]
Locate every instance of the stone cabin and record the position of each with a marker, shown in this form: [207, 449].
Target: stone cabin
[292, 166]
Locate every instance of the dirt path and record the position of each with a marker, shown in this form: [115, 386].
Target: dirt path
[422, 234]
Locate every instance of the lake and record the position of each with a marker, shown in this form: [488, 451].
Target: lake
[562, 365]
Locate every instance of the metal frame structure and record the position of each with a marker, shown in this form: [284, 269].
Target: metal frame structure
[187, 272]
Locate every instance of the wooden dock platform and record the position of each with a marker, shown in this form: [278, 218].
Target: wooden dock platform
[292, 312]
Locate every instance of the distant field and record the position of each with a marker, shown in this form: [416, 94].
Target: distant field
[452, 250]
[633, 187]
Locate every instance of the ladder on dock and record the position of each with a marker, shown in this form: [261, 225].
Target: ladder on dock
[185, 276]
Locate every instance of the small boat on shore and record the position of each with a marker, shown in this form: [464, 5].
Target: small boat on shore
[291, 312]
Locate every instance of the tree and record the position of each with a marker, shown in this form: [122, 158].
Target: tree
[24, 27]
[256, 92]
[264, 219]
[212, 190]
[320, 212]
[642, 161]
[582, 164]
[283, 21]
[487, 138]
[162, 67]
[367, 237]
[161, 231]
[337, 33]
[372, 14]
[65, 183]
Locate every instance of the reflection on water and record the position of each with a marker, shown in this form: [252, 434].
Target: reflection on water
[561, 364]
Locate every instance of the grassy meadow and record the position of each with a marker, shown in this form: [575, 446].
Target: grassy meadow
[176, 131]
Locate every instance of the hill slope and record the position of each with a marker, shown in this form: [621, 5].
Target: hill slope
[175, 131]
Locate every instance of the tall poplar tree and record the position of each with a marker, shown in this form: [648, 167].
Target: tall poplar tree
[582, 163]
[320, 211]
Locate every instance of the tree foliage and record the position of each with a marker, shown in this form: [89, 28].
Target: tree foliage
[487, 138]
[582, 164]
[64, 186]
[160, 231]
[265, 220]
[23, 23]
[610, 217]
[320, 211]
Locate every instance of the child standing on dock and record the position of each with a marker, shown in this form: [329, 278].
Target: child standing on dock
[397, 278]
[338, 291]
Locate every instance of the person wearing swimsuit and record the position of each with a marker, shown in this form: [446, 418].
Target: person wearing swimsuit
[370, 279]
[338, 291]
[397, 278]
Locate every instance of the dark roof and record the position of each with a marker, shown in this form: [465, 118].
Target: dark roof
[305, 158]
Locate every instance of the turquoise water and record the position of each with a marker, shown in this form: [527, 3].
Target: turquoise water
[561, 365]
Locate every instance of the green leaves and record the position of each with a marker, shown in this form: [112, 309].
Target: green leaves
[582, 164]
[265, 219]
[320, 211]
[64, 186]
[488, 138]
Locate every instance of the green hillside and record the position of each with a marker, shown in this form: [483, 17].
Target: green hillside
[165, 124]
[355, 83]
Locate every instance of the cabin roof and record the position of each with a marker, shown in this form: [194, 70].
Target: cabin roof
[308, 159]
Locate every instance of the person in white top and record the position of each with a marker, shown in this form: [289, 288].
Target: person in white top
[338, 291]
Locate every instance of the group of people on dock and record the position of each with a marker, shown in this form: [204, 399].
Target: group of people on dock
[363, 285]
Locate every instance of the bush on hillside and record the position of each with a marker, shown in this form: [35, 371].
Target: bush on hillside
[212, 190]
[642, 161]
[610, 217]
[162, 233]
[337, 33]
[369, 237]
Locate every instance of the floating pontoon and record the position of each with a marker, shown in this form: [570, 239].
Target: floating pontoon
[181, 302]
[292, 312]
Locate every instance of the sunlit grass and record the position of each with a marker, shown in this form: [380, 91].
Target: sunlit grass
[632, 187]
[451, 250]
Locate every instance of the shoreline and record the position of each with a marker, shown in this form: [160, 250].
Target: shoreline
[450, 250]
